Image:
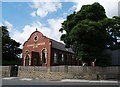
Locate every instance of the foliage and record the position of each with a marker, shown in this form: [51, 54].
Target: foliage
[10, 49]
[87, 32]
[112, 26]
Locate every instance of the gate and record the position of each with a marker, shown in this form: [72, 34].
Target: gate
[14, 71]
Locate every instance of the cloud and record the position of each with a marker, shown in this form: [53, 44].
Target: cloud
[43, 8]
[23, 36]
[73, 8]
[51, 31]
[33, 14]
[41, 12]
[1, 24]
[119, 8]
[9, 25]
[55, 25]
[111, 6]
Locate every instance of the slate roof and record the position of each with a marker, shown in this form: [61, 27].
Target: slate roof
[60, 46]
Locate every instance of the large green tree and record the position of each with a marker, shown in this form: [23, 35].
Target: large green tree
[112, 26]
[10, 49]
[87, 35]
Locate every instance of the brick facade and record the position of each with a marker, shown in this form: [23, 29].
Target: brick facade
[40, 50]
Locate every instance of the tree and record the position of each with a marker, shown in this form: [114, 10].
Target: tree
[112, 26]
[10, 49]
[87, 35]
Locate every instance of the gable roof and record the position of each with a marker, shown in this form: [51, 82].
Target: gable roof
[60, 46]
[55, 44]
[31, 36]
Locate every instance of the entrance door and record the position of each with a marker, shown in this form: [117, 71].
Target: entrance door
[35, 60]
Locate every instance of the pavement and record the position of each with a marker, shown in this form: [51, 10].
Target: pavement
[63, 80]
[29, 82]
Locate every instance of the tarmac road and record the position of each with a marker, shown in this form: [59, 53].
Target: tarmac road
[16, 82]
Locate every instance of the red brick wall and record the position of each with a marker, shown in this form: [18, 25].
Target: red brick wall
[42, 42]
[37, 46]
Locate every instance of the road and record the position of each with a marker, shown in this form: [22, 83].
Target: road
[42, 83]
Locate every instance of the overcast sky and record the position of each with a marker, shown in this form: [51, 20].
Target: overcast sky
[22, 18]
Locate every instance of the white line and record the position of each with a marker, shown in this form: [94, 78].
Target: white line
[91, 81]
[73, 80]
[27, 79]
[9, 78]
[104, 81]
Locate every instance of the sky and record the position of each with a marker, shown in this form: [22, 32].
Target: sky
[22, 18]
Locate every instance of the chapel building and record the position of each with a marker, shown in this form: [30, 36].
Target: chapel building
[40, 50]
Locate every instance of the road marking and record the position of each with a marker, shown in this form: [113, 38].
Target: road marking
[73, 80]
[91, 81]
[105, 81]
[8, 78]
[26, 79]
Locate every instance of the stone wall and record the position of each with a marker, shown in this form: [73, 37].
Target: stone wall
[67, 72]
[93, 72]
[0, 71]
[64, 72]
[6, 71]
[48, 73]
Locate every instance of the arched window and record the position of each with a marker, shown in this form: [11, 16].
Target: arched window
[55, 57]
[62, 57]
[27, 60]
[44, 56]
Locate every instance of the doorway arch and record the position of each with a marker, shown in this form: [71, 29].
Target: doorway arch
[44, 56]
[27, 60]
